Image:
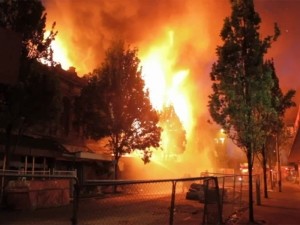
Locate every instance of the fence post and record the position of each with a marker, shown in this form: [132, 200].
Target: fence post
[212, 197]
[241, 189]
[74, 218]
[234, 180]
[172, 203]
[258, 200]
[220, 203]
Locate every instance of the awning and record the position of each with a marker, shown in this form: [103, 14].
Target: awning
[83, 152]
[93, 156]
[75, 148]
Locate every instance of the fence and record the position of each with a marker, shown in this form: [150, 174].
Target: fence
[234, 193]
[165, 201]
[209, 199]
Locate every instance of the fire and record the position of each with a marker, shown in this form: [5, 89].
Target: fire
[153, 73]
[60, 54]
[176, 42]
[164, 82]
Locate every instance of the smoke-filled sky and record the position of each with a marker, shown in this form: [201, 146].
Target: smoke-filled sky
[87, 28]
[176, 39]
[286, 51]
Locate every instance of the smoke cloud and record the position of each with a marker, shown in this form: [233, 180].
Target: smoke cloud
[88, 27]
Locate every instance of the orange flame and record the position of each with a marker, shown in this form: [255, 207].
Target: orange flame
[60, 54]
[164, 82]
[176, 42]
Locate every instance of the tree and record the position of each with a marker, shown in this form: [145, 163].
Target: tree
[274, 124]
[117, 105]
[173, 131]
[35, 97]
[241, 89]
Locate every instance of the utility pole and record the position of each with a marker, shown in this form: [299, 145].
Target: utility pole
[278, 163]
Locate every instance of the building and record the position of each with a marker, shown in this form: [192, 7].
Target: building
[294, 156]
[61, 148]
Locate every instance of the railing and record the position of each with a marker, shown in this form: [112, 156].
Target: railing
[72, 173]
[39, 172]
[48, 172]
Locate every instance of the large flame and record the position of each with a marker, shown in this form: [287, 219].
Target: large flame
[176, 42]
[164, 82]
[60, 53]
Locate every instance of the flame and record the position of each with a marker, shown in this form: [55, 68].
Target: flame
[176, 42]
[60, 53]
[164, 82]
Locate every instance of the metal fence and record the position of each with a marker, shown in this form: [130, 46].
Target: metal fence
[164, 201]
[234, 193]
[209, 199]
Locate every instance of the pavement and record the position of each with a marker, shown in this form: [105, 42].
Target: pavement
[282, 208]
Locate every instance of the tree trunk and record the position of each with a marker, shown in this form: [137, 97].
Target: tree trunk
[8, 131]
[116, 162]
[6, 157]
[278, 164]
[250, 160]
[265, 171]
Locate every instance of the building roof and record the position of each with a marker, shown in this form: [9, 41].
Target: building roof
[84, 153]
[294, 156]
[48, 147]
[30, 142]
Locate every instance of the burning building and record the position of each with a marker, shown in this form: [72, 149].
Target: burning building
[176, 42]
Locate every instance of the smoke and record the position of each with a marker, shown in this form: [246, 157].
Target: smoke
[286, 50]
[88, 27]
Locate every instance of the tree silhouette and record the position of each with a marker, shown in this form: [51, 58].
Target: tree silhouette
[115, 104]
[273, 123]
[242, 91]
[173, 131]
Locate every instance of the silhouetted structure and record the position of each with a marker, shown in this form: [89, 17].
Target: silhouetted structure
[59, 147]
